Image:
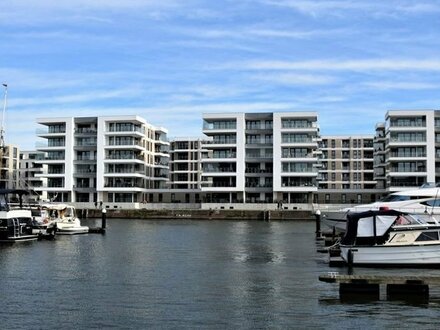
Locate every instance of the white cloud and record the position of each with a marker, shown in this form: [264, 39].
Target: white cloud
[404, 85]
[345, 65]
[296, 79]
[260, 31]
[31, 12]
[335, 7]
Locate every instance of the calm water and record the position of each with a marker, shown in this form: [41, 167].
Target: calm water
[189, 274]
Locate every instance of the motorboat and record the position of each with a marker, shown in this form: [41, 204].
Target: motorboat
[64, 216]
[424, 200]
[391, 238]
[41, 225]
[15, 221]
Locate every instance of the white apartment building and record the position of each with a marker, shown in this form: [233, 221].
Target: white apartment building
[260, 157]
[412, 151]
[28, 170]
[9, 163]
[113, 159]
[346, 175]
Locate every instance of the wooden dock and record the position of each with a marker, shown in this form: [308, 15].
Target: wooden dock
[333, 277]
[397, 287]
[96, 230]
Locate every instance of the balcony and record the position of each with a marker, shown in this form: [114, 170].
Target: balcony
[220, 125]
[219, 170]
[85, 131]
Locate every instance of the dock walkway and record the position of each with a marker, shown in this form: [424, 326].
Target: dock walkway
[369, 285]
[333, 277]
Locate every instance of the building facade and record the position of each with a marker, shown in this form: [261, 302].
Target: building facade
[407, 149]
[346, 174]
[260, 157]
[9, 167]
[111, 159]
[186, 156]
[30, 170]
[245, 158]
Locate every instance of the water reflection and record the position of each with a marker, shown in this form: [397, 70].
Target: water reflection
[186, 274]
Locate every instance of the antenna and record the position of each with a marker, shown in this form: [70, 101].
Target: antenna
[2, 130]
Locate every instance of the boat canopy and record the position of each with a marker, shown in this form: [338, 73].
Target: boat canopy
[383, 223]
[57, 207]
[59, 210]
[368, 224]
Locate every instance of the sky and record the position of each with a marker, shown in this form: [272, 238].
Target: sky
[170, 61]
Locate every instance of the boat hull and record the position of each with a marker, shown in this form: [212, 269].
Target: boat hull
[22, 238]
[407, 255]
[72, 230]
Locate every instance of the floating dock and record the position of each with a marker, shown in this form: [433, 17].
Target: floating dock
[96, 230]
[396, 286]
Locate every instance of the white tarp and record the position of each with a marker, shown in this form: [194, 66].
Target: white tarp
[366, 225]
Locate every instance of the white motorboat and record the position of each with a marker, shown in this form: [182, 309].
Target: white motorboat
[391, 238]
[64, 216]
[15, 221]
[41, 225]
[417, 201]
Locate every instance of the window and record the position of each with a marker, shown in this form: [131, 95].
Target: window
[432, 203]
[428, 236]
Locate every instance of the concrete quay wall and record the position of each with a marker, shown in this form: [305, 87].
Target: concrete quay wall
[275, 215]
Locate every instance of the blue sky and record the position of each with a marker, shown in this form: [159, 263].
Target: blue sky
[171, 60]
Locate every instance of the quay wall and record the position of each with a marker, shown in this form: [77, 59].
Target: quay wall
[276, 215]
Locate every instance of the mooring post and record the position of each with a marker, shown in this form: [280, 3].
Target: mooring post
[103, 218]
[318, 223]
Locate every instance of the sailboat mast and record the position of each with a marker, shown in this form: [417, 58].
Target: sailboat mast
[2, 130]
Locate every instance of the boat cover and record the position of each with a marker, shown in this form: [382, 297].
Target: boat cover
[366, 229]
[366, 225]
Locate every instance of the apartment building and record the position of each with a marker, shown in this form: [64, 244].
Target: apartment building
[412, 148]
[380, 145]
[346, 175]
[28, 171]
[260, 157]
[9, 163]
[186, 169]
[113, 159]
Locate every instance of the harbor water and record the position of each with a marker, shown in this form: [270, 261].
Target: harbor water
[191, 274]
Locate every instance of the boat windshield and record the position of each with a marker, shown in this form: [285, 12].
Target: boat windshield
[414, 219]
[69, 212]
[395, 198]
